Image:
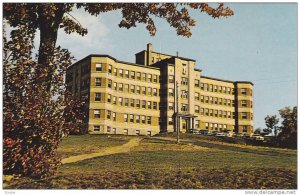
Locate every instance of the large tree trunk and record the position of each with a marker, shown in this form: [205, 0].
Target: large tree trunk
[49, 21]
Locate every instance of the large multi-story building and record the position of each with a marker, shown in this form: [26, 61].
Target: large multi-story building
[141, 98]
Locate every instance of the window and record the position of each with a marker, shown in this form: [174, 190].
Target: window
[211, 101]
[137, 103]
[228, 102]
[125, 117]
[220, 89]
[220, 101]
[220, 113]
[96, 113]
[109, 83]
[126, 88]
[149, 91]
[108, 129]
[216, 100]
[221, 127]
[115, 86]
[197, 96]
[206, 99]
[132, 102]
[244, 115]
[137, 132]
[143, 103]
[184, 69]
[108, 98]
[114, 100]
[149, 120]
[143, 119]
[225, 126]
[149, 104]
[96, 127]
[224, 89]
[120, 101]
[197, 83]
[216, 113]
[170, 121]
[215, 88]
[229, 114]
[225, 114]
[184, 107]
[132, 88]
[171, 105]
[184, 94]
[154, 105]
[115, 72]
[171, 92]
[233, 103]
[149, 77]
[206, 111]
[137, 118]
[138, 76]
[244, 103]
[154, 91]
[98, 67]
[184, 81]
[114, 130]
[205, 86]
[127, 74]
[210, 112]
[120, 86]
[132, 74]
[202, 98]
[155, 79]
[108, 114]
[125, 131]
[98, 82]
[126, 101]
[121, 72]
[131, 118]
[138, 89]
[202, 86]
[114, 116]
[197, 109]
[144, 90]
[144, 76]
[171, 79]
[233, 115]
[228, 90]
[243, 91]
[244, 127]
[225, 102]
[202, 111]
[197, 124]
[98, 97]
[211, 88]
[211, 126]
[206, 125]
[109, 69]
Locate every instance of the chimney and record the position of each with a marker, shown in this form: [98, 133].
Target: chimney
[149, 54]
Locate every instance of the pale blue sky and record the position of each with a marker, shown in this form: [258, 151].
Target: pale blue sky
[258, 44]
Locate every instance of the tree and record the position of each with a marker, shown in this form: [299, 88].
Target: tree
[49, 17]
[288, 135]
[258, 131]
[271, 122]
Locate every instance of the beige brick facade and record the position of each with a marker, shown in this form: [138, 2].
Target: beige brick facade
[139, 99]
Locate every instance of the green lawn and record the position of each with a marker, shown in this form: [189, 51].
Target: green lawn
[209, 164]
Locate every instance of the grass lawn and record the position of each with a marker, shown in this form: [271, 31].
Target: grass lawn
[209, 164]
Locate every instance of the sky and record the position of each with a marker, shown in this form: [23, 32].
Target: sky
[257, 44]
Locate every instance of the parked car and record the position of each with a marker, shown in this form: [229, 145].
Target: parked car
[221, 135]
[257, 137]
[246, 136]
[203, 131]
[195, 131]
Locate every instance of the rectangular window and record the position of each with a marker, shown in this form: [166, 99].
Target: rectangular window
[108, 129]
[220, 113]
[126, 88]
[120, 86]
[221, 127]
[211, 101]
[149, 120]
[121, 72]
[108, 114]
[137, 132]
[244, 115]
[171, 79]
[225, 114]
[202, 98]
[228, 102]
[137, 103]
[171, 105]
[149, 105]
[220, 89]
[224, 89]
[132, 74]
[211, 88]
[143, 76]
[225, 102]
[125, 131]
[131, 118]
[114, 115]
[132, 102]
[154, 105]
[229, 114]
[98, 67]
[210, 112]
[138, 89]
[98, 97]
[154, 91]
[96, 113]
[243, 91]
[184, 94]
[143, 104]
[202, 111]
[206, 99]
[206, 111]
[96, 127]
[244, 103]
[206, 126]
[197, 96]
[137, 118]
[205, 86]
[216, 100]
[244, 128]
[197, 83]
[220, 101]
[138, 76]
[144, 90]
[109, 69]
[114, 100]
[202, 86]
[149, 77]
[197, 124]
[126, 101]
[149, 91]
[184, 81]
[228, 90]
[115, 86]
[115, 72]
[109, 83]
[98, 82]
[120, 101]
[197, 109]
[216, 113]
[108, 98]
[215, 88]
[184, 107]
[225, 127]
[171, 92]
[170, 121]
[155, 79]
[125, 117]
[143, 119]
[127, 74]
[132, 88]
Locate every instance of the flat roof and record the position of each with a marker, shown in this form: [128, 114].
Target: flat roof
[217, 79]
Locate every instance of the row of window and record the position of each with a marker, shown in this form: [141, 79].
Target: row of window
[125, 87]
[215, 126]
[129, 74]
[114, 130]
[214, 100]
[137, 103]
[214, 113]
[131, 118]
